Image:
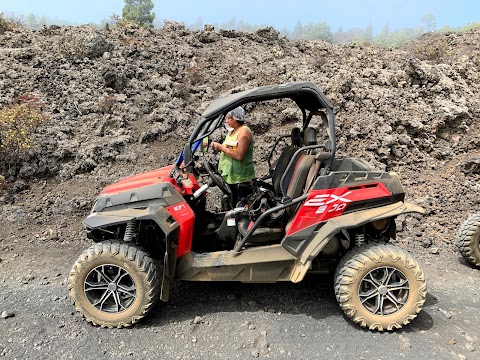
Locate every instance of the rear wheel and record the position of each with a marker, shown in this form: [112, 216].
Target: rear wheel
[114, 284]
[380, 287]
[468, 239]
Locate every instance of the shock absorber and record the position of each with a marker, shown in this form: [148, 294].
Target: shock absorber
[130, 231]
[359, 239]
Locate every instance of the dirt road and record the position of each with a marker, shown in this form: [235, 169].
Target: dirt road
[227, 320]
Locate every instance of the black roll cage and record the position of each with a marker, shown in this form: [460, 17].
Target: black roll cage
[308, 97]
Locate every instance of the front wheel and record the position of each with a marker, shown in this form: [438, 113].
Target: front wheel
[468, 239]
[114, 284]
[380, 287]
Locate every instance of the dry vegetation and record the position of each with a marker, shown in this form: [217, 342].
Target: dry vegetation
[18, 122]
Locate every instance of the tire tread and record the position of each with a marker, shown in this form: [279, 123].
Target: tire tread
[356, 261]
[468, 239]
[131, 253]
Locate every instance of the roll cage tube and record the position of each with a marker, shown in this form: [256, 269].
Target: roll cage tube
[329, 118]
[269, 159]
[305, 94]
[306, 119]
[195, 139]
[305, 122]
[331, 134]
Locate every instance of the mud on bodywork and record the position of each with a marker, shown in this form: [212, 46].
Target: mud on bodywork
[141, 216]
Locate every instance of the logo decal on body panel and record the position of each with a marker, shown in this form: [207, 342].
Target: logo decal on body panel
[324, 201]
[179, 207]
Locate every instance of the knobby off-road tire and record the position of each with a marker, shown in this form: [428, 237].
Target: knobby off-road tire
[468, 239]
[114, 284]
[380, 287]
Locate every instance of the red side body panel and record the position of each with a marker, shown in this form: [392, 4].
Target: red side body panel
[185, 217]
[325, 204]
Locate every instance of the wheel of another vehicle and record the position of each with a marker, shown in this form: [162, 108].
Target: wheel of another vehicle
[114, 284]
[468, 239]
[381, 287]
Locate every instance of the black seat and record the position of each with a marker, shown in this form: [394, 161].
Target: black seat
[298, 179]
[317, 168]
[297, 175]
[310, 136]
[294, 181]
[285, 157]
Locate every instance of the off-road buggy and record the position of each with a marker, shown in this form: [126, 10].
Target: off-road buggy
[312, 213]
[468, 236]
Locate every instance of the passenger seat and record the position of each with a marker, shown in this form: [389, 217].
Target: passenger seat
[285, 157]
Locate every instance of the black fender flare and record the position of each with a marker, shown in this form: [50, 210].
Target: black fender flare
[343, 222]
[165, 222]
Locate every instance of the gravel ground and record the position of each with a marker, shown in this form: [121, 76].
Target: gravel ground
[230, 320]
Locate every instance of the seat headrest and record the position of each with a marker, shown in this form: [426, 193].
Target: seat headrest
[310, 136]
[296, 136]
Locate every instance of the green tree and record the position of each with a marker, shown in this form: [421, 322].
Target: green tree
[31, 21]
[368, 34]
[230, 24]
[197, 25]
[139, 11]
[469, 26]
[42, 21]
[285, 32]
[298, 30]
[382, 37]
[320, 30]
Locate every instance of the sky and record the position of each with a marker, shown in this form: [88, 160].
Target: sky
[278, 13]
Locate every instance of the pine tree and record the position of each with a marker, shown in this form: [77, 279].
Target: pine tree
[139, 11]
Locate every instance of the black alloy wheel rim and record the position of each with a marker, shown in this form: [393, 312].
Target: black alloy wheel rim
[110, 288]
[384, 291]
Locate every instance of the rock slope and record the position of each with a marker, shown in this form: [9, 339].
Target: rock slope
[123, 100]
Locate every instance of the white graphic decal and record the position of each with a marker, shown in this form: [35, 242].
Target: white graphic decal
[179, 207]
[324, 200]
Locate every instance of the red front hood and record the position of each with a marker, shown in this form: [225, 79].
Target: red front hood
[138, 181]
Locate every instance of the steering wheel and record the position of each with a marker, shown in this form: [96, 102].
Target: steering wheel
[217, 179]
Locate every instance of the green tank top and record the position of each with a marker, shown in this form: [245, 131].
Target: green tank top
[235, 171]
